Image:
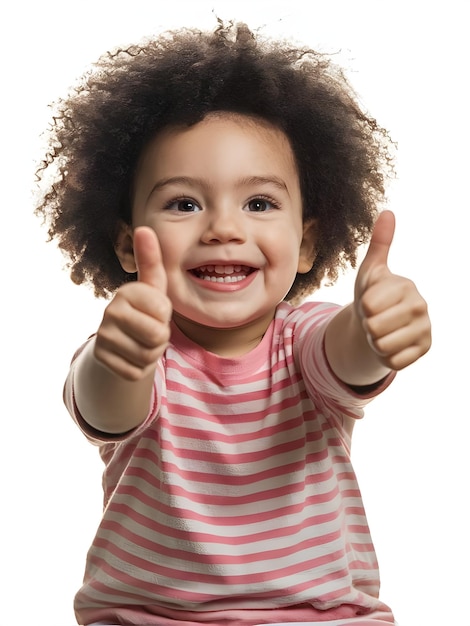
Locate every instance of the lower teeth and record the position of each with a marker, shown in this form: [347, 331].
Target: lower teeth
[223, 279]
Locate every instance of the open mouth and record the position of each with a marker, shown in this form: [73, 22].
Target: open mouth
[223, 273]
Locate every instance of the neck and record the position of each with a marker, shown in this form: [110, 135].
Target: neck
[226, 342]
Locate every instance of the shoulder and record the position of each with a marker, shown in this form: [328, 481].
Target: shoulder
[307, 315]
[300, 329]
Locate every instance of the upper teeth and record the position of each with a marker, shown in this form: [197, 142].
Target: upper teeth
[220, 269]
[226, 273]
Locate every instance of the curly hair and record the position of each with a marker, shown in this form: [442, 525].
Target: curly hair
[101, 128]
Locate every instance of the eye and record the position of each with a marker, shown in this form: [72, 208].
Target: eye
[182, 205]
[261, 205]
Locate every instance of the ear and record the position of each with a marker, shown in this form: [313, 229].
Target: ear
[124, 248]
[307, 252]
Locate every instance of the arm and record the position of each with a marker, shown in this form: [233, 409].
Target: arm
[113, 376]
[387, 326]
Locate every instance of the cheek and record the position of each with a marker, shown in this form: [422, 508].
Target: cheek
[171, 244]
[284, 246]
[170, 258]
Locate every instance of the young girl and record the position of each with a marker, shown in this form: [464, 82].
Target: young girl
[209, 182]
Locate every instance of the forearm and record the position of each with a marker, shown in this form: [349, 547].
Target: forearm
[106, 401]
[349, 353]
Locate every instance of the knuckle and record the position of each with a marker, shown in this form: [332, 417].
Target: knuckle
[371, 327]
[159, 334]
[420, 308]
[381, 347]
[367, 304]
[146, 357]
[167, 309]
[396, 364]
[132, 374]
[426, 342]
[162, 309]
[115, 312]
[103, 344]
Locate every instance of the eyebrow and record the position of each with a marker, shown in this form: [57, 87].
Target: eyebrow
[263, 180]
[201, 182]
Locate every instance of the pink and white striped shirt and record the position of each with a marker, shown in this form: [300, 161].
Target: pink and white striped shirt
[235, 502]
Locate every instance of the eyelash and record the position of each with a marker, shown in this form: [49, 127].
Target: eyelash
[274, 204]
[171, 203]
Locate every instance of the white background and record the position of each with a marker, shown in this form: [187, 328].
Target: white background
[409, 61]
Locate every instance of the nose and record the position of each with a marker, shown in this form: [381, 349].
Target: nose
[224, 226]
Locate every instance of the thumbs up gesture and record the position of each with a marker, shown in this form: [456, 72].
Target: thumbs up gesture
[135, 328]
[393, 314]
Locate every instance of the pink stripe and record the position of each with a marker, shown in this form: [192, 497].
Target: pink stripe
[235, 480]
[180, 367]
[232, 479]
[239, 499]
[283, 530]
[241, 458]
[214, 397]
[220, 559]
[192, 423]
[270, 432]
[180, 594]
[230, 520]
[226, 479]
[211, 579]
[238, 413]
[367, 547]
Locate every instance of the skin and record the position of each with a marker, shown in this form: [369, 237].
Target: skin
[225, 194]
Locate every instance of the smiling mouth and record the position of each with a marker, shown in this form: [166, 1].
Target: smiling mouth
[223, 273]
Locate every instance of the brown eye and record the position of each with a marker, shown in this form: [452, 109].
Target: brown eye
[182, 205]
[187, 206]
[259, 205]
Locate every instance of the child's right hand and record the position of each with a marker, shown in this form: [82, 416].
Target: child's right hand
[136, 324]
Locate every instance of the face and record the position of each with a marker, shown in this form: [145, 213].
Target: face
[224, 198]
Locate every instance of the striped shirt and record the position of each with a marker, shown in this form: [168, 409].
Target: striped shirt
[235, 502]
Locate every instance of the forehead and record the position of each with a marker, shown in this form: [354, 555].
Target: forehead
[223, 142]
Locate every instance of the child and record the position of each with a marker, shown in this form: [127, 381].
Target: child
[209, 182]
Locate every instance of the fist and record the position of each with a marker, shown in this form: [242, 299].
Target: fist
[135, 328]
[392, 312]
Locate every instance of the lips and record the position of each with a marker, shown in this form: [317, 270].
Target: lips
[223, 273]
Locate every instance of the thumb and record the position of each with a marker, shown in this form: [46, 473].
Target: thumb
[381, 240]
[148, 258]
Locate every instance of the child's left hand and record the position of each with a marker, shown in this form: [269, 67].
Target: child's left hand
[392, 312]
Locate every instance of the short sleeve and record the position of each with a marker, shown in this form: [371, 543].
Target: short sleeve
[97, 437]
[320, 380]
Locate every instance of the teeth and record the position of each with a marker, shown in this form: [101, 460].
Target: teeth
[226, 273]
[223, 279]
[220, 269]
